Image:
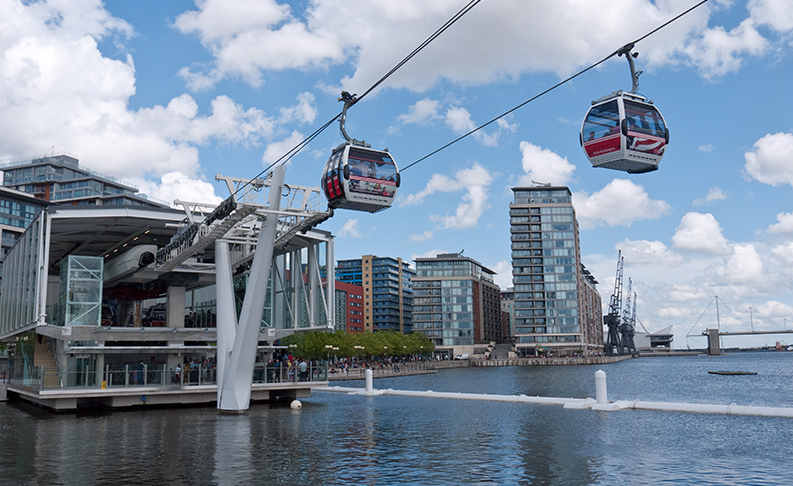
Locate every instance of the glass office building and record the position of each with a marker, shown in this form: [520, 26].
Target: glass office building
[456, 304]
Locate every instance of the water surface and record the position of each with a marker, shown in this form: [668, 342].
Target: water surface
[341, 439]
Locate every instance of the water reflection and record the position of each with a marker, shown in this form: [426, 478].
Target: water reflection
[233, 450]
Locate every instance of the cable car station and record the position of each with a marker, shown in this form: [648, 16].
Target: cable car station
[73, 351]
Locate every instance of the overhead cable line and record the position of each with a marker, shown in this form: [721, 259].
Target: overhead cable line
[300, 146]
[560, 83]
[467, 8]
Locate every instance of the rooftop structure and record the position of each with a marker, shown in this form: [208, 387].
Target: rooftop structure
[60, 178]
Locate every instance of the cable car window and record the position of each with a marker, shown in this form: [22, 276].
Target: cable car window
[361, 168]
[601, 120]
[644, 118]
[385, 170]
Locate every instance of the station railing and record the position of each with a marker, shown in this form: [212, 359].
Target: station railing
[132, 375]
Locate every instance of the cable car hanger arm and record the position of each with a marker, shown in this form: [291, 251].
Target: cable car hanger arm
[630, 56]
[349, 100]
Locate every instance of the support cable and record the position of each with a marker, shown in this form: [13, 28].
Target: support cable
[300, 146]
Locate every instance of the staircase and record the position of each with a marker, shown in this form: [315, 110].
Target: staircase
[42, 356]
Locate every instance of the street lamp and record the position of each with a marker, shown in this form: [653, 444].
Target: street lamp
[329, 347]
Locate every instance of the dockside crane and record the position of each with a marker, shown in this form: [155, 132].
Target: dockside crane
[628, 327]
[612, 319]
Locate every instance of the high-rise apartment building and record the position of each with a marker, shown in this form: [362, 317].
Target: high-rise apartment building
[456, 303]
[388, 296]
[557, 308]
[61, 179]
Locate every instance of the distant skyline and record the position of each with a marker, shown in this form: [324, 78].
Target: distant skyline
[167, 94]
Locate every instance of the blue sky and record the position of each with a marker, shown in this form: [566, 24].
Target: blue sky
[168, 94]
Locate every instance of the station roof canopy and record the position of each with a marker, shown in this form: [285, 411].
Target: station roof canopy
[104, 230]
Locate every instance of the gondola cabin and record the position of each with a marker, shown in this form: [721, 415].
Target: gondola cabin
[624, 131]
[360, 178]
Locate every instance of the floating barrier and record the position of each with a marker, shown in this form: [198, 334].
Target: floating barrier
[599, 403]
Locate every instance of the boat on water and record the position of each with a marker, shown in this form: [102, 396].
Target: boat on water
[732, 372]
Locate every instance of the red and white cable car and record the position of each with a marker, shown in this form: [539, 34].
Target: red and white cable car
[625, 131]
[358, 177]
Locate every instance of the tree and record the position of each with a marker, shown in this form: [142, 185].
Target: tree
[312, 345]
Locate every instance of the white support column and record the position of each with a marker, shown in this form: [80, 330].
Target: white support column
[235, 394]
[279, 311]
[174, 310]
[226, 311]
[313, 303]
[330, 275]
[295, 284]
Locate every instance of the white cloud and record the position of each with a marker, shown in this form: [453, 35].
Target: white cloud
[503, 277]
[744, 266]
[770, 161]
[638, 252]
[423, 112]
[705, 148]
[784, 252]
[275, 150]
[784, 225]
[700, 233]
[714, 194]
[175, 185]
[474, 181]
[620, 203]
[543, 166]
[774, 309]
[719, 52]
[350, 230]
[248, 38]
[60, 93]
[422, 237]
[459, 120]
[777, 14]
[303, 112]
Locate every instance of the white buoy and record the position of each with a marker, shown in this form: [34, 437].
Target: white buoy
[295, 405]
[369, 387]
[601, 397]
